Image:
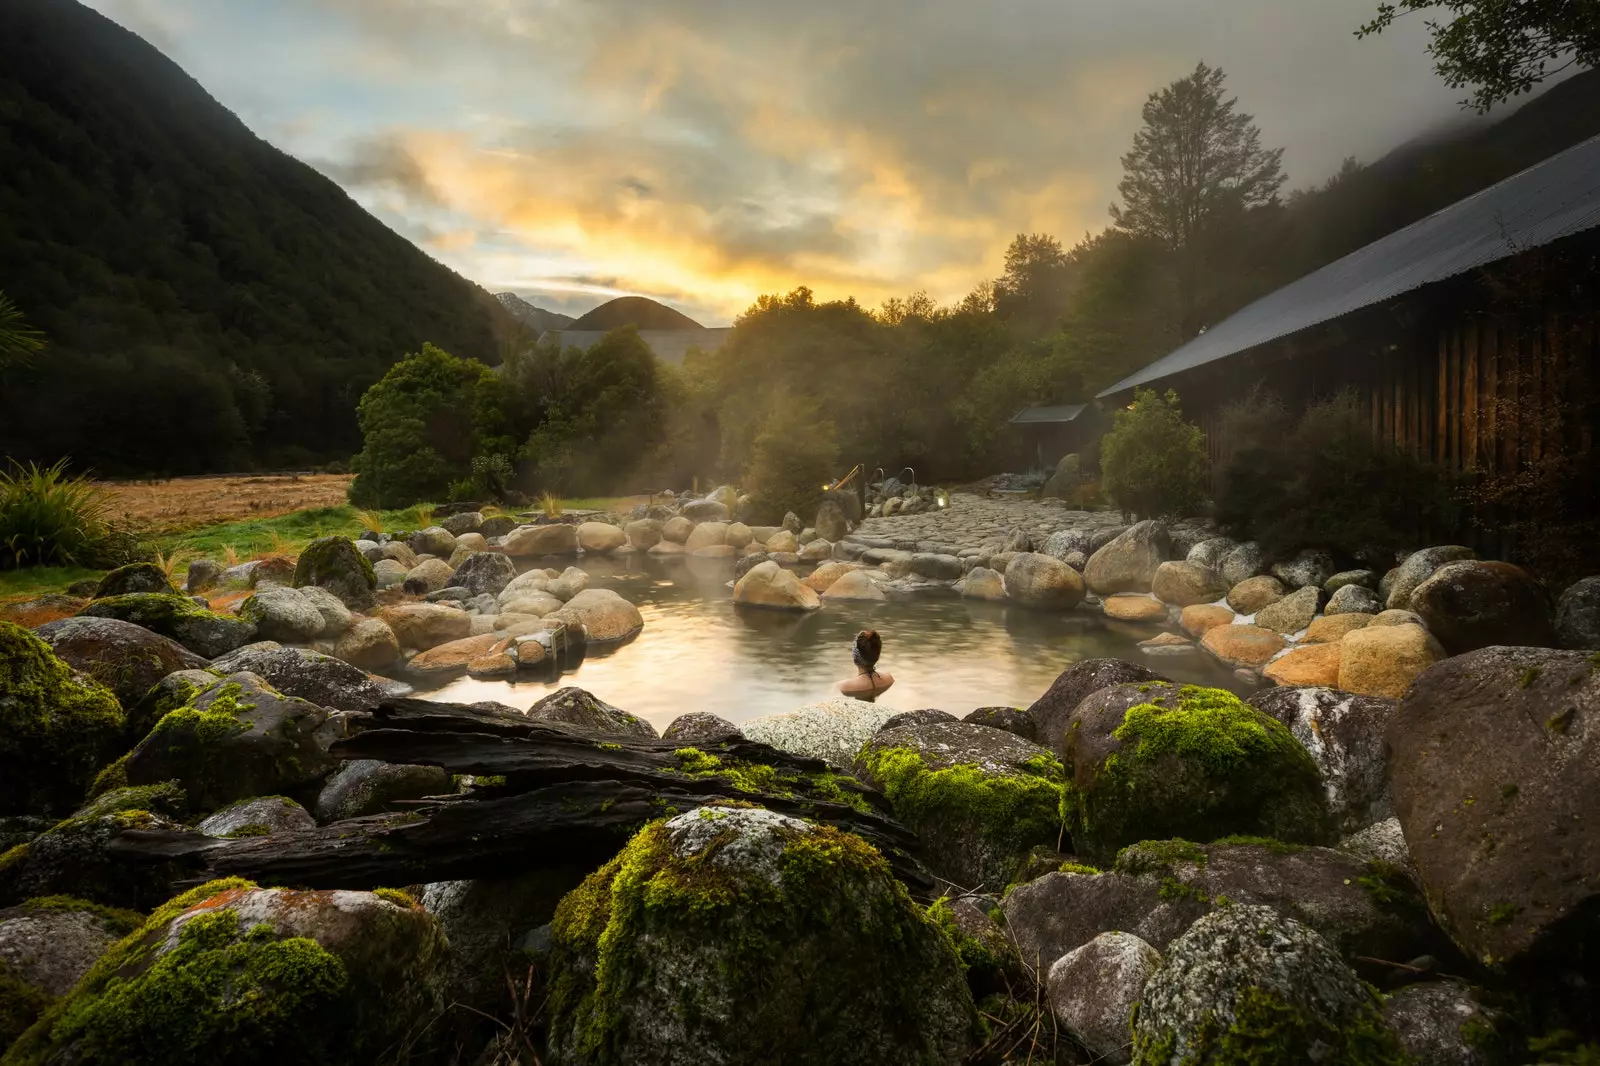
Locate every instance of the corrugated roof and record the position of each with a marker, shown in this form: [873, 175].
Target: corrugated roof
[1551, 200]
[1059, 413]
[670, 345]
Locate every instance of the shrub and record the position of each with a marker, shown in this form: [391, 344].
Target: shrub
[795, 452]
[1153, 463]
[50, 518]
[1325, 479]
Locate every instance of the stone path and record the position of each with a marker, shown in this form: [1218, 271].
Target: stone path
[976, 521]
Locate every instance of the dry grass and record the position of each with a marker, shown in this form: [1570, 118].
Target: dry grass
[187, 503]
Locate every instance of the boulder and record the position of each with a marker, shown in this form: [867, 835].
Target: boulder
[832, 523]
[1396, 618]
[1134, 607]
[397, 551]
[1383, 842]
[1445, 1023]
[334, 563]
[1241, 646]
[46, 946]
[1129, 562]
[1011, 719]
[1140, 770]
[74, 858]
[310, 977]
[855, 585]
[387, 573]
[135, 577]
[485, 572]
[430, 575]
[738, 535]
[1471, 605]
[1293, 613]
[1495, 771]
[568, 584]
[1246, 984]
[1094, 989]
[450, 659]
[582, 709]
[325, 680]
[260, 816]
[1201, 618]
[676, 530]
[1036, 580]
[918, 717]
[979, 799]
[1331, 628]
[1064, 542]
[696, 974]
[825, 575]
[1243, 563]
[435, 540]
[1353, 599]
[57, 727]
[643, 533]
[833, 729]
[604, 616]
[1254, 593]
[1211, 553]
[336, 617]
[1314, 664]
[233, 739]
[426, 625]
[497, 526]
[1311, 567]
[936, 566]
[273, 570]
[280, 613]
[463, 523]
[365, 786]
[206, 634]
[981, 583]
[1381, 660]
[600, 538]
[1416, 569]
[707, 510]
[815, 551]
[1053, 711]
[1577, 620]
[1184, 584]
[769, 585]
[370, 645]
[1064, 480]
[1366, 579]
[126, 658]
[527, 584]
[203, 574]
[557, 538]
[1344, 735]
[698, 727]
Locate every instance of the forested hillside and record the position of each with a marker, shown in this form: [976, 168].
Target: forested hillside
[638, 311]
[210, 302]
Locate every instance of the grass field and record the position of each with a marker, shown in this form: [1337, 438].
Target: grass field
[189, 503]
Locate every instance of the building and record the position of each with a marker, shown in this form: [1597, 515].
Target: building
[1045, 434]
[1470, 335]
[670, 345]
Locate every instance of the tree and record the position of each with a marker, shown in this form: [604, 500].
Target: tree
[1502, 48]
[1153, 463]
[1033, 290]
[1197, 166]
[795, 452]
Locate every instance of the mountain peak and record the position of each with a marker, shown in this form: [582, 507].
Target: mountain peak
[535, 318]
[640, 312]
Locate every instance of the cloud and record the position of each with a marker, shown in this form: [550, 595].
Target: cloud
[711, 150]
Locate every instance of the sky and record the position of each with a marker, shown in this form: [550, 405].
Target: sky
[704, 152]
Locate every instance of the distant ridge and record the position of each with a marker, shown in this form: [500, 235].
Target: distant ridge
[535, 318]
[638, 311]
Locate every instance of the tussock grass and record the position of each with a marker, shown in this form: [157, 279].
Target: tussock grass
[49, 517]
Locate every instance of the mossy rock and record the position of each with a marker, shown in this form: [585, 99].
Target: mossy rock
[128, 659]
[741, 935]
[234, 739]
[980, 799]
[135, 577]
[336, 564]
[57, 728]
[232, 973]
[1154, 761]
[178, 617]
[46, 946]
[74, 859]
[987, 954]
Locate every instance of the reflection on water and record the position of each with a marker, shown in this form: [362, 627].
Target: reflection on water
[698, 652]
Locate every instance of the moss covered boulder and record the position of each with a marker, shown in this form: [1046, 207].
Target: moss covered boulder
[980, 799]
[735, 935]
[1152, 761]
[75, 858]
[135, 577]
[126, 658]
[333, 563]
[178, 617]
[46, 946]
[232, 973]
[323, 679]
[232, 739]
[1246, 985]
[1052, 712]
[57, 727]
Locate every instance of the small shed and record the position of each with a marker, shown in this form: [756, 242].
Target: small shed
[1045, 434]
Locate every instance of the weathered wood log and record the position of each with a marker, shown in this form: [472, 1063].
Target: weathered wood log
[567, 797]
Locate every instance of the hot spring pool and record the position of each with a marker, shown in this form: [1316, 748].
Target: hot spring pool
[698, 652]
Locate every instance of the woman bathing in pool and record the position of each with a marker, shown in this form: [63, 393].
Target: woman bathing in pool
[868, 684]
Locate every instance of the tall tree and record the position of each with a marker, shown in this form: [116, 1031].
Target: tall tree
[1034, 288]
[1196, 168]
[1502, 48]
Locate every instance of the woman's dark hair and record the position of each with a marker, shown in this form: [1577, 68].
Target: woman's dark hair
[867, 649]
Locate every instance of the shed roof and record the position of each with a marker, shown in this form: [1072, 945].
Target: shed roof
[670, 345]
[1037, 415]
[1550, 200]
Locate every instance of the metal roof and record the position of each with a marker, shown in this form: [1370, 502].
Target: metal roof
[1036, 415]
[670, 345]
[1548, 201]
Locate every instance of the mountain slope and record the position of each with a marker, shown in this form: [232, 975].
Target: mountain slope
[536, 319]
[637, 311]
[211, 302]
